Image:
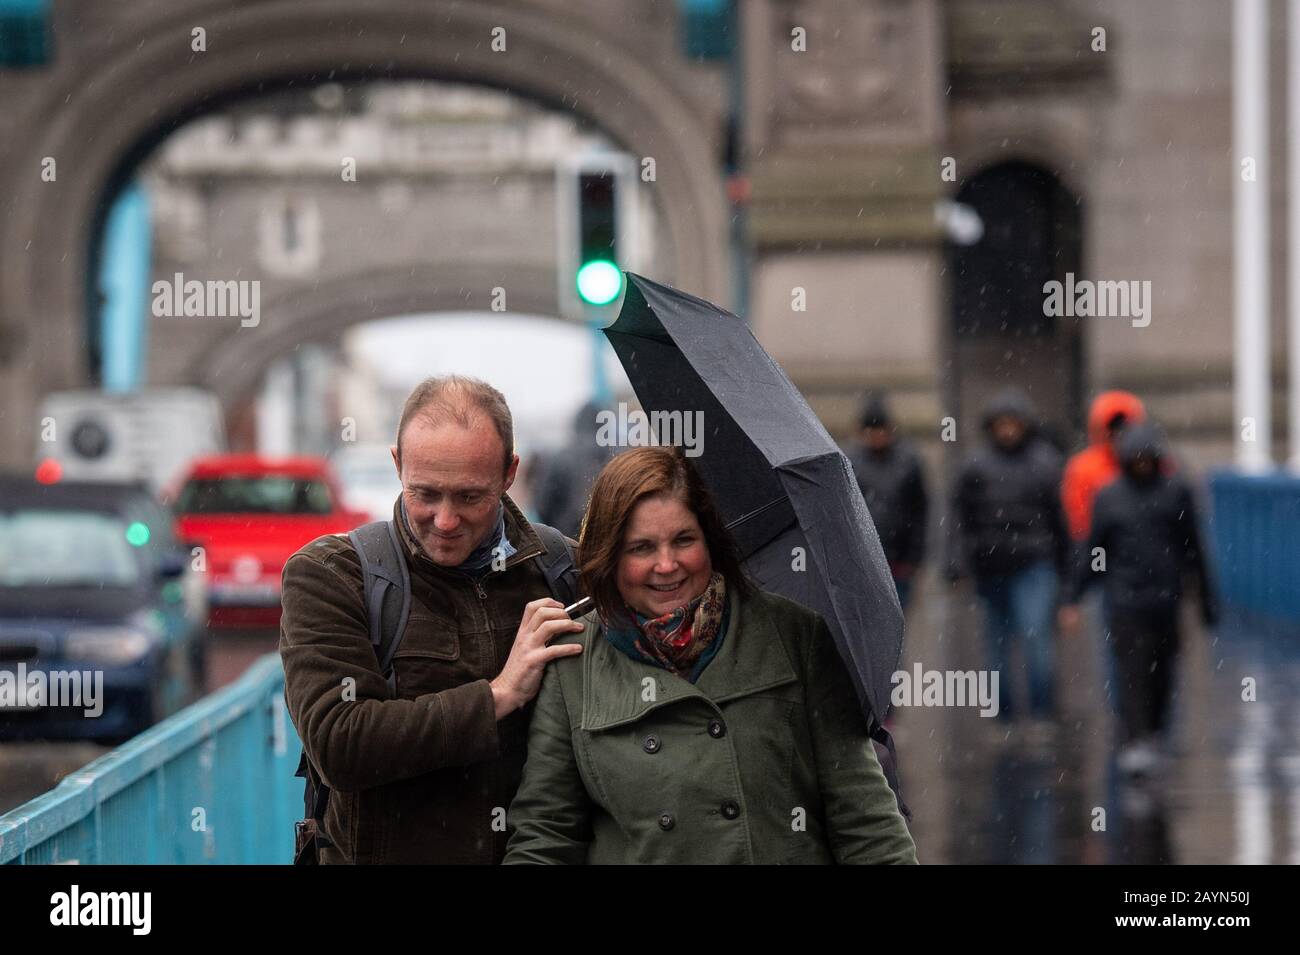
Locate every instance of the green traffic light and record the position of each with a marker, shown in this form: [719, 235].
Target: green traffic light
[599, 282]
[137, 535]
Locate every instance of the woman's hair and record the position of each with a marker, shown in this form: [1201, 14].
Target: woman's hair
[621, 485]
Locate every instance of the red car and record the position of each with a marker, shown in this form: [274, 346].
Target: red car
[249, 514]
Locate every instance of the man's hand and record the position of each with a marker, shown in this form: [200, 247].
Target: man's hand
[1067, 618]
[521, 677]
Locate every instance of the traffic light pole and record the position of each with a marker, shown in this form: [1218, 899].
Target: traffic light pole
[595, 320]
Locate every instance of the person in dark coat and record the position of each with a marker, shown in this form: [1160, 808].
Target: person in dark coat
[1007, 529]
[888, 471]
[566, 475]
[1086, 473]
[1144, 542]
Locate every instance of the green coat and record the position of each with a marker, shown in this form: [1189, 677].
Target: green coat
[766, 759]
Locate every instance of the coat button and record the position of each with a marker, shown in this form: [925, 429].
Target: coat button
[730, 810]
[651, 744]
[666, 821]
[717, 729]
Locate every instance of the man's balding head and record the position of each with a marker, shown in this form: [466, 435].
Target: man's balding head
[459, 399]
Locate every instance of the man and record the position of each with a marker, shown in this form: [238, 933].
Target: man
[1144, 528]
[1009, 531]
[423, 772]
[889, 474]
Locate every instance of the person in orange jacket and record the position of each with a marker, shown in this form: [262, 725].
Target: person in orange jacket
[1095, 466]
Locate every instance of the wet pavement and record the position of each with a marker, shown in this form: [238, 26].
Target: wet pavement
[983, 790]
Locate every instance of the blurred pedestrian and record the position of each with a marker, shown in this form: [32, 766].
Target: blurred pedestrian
[1144, 540]
[566, 475]
[888, 471]
[1008, 530]
[1086, 473]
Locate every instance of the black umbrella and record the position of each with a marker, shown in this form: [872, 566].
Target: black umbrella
[783, 486]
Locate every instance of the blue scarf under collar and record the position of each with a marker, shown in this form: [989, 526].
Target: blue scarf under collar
[494, 546]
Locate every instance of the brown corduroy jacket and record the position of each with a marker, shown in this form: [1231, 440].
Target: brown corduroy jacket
[425, 774]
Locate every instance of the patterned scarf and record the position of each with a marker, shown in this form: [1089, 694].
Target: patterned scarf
[682, 641]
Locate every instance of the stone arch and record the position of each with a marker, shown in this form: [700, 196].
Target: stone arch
[998, 331]
[326, 309]
[980, 161]
[99, 121]
[990, 137]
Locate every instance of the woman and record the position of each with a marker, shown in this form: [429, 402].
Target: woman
[704, 721]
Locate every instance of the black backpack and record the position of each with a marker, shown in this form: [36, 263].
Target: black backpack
[386, 587]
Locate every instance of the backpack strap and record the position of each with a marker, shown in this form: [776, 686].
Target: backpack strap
[557, 564]
[315, 793]
[309, 834]
[386, 589]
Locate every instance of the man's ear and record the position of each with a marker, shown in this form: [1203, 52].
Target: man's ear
[397, 462]
[511, 472]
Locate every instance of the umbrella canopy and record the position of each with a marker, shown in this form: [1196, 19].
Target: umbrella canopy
[784, 488]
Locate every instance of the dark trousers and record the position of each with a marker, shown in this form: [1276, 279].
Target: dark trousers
[1145, 647]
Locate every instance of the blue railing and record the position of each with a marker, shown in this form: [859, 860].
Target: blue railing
[212, 784]
[1256, 535]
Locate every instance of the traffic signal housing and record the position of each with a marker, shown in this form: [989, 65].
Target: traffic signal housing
[599, 278]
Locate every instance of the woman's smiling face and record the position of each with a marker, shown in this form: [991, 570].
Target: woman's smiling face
[664, 562]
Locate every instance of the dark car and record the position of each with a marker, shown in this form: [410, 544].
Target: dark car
[102, 620]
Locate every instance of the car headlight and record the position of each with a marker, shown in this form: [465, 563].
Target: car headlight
[110, 645]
